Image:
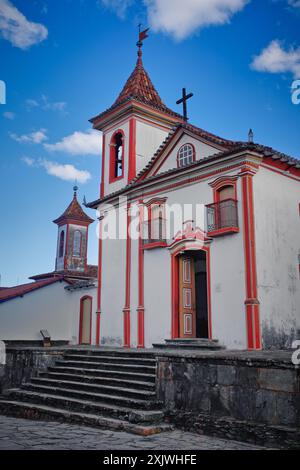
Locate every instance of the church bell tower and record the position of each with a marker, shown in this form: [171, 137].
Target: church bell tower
[133, 128]
[72, 238]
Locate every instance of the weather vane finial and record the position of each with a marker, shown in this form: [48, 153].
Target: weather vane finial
[75, 188]
[142, 36]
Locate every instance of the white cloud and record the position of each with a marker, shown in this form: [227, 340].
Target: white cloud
[32, 103]
[9, 115]
[275, 59]
[119, 6]
[46, 105]
[181, 18]
[36, 137]
[29, 161]
[78, 143]
[19, 31]
[64, 172]
[294, 3]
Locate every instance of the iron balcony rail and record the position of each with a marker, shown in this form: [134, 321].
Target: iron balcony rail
[154, 231]
[222, 215]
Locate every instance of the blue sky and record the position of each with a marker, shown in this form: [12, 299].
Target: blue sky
[63, 61]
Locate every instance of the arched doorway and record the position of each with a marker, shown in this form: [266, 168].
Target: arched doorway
[85, 320]
[191, 285]
[192, 294]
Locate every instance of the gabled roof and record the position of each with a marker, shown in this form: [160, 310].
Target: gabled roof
[74, 212]
[235, 148]
[18, 291]
[224, 144]
[139, 87]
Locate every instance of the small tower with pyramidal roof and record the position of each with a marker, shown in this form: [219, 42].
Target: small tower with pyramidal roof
[133, 127]
[72, 238]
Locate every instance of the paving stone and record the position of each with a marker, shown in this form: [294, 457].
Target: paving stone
[26, 434]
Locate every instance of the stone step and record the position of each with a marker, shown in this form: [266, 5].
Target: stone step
[103, 365]
[116, 389]
[101, 373]
[90, 379]
[112, 398]
[120, 352]
[111, 359]
[70, 404]
[34, 411]
[187, 343]
[192, 341]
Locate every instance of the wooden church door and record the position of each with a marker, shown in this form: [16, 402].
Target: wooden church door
[85, 320]
[187, 297]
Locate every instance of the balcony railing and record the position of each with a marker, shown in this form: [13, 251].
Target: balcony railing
[154, 233]
[222, 217]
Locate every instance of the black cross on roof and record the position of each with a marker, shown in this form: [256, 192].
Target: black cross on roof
[183, 100]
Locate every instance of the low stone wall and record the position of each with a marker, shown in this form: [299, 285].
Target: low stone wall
[238, 395]
[24, 363]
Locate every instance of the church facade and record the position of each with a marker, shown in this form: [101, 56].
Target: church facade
[211, 246]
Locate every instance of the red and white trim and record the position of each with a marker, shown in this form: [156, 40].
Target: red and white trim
[99, 291]
[141, 306]
[126, 309]
[251, 303]
[132, 150]
[178, 248]
[81, 317]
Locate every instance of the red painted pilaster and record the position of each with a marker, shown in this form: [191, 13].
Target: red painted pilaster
[141, 307]
[251, 303]
[132, 150]
[126, 309]
[103, 167]
[99, 291]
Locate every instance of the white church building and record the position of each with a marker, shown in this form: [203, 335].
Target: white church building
[230, 270]
[62, 302]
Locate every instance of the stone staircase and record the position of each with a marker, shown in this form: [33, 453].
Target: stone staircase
[193, 343]
[111, 389]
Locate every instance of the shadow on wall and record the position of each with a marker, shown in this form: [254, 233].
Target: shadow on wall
[279, 338]
[111, 341]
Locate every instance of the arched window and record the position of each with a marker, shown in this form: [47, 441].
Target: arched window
[116, 156]
[226, 192]
[61, 244]
[186, 155]
[77, 243]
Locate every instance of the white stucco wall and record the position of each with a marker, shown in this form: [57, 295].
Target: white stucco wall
[157, 287]
[148, 139]
[52, 308]
[113, 291]
[277, 225]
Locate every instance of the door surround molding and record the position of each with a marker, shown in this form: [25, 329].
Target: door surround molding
[176, 249]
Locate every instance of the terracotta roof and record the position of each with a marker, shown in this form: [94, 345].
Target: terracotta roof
[266, 152]
[91, 272]
[139, 87]
[74, 212]
[19, 291]
[226, 144]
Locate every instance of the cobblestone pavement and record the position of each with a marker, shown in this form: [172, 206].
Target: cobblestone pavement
[21, 434]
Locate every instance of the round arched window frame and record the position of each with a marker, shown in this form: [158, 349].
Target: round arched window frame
[117, 142]
[61, 244]
[186, 155]
[77, 243]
